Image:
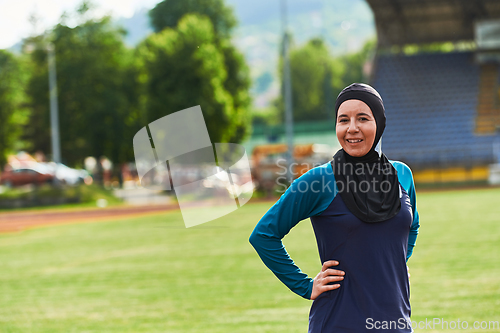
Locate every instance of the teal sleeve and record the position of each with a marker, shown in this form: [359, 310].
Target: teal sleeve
[406, 179]
[307, 196]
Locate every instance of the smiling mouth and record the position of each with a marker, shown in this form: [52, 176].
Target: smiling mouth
[354, 140]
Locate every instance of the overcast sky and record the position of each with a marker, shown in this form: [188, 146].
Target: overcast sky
[14, 14]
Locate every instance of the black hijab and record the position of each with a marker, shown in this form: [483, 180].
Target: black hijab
[368, 184]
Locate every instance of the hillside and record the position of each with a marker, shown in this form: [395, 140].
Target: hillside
[345, 26]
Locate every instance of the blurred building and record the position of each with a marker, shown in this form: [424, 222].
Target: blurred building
[443, 100]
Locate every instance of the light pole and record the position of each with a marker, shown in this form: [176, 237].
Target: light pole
[287, 90]
[54, 110]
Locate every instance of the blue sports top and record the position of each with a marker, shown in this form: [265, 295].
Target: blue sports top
[373, 255]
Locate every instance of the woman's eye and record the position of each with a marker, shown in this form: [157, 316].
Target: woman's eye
[342, 120]
[363, 119]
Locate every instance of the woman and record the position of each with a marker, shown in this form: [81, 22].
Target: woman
[363, 211]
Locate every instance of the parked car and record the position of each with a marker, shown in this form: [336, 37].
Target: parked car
[36, 174]
[66, 174]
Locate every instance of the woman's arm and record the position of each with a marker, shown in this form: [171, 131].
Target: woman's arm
[307, 196]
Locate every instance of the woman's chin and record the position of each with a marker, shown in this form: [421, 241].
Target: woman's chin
[356, 152]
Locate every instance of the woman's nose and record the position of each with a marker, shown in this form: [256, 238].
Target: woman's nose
[353, 127]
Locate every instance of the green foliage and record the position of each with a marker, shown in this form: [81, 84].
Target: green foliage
[318, 77]
[187, 66]
[226, 110]
[168, 13]
[37, 131]
[107, 92]
[13, 111]
[265, 116]
[353, 64]
[237, 84]
[96, 96]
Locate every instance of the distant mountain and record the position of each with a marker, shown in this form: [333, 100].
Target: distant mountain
[16, 48]
[137, 26]
[261, 11]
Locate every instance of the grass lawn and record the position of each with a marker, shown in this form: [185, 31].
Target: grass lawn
[153, 275]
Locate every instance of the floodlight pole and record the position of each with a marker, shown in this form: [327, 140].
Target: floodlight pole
[287, 90]
[54, 109]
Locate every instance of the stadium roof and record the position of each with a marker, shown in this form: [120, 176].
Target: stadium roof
[402, 22]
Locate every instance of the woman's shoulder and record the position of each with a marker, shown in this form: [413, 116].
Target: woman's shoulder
[318, 173]
[405, 175]
[319, 179]
[401, 167]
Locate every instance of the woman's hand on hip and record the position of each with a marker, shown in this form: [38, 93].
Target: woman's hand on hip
[326, 276]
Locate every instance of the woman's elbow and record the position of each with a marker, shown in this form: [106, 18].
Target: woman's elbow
[257, 239]
[253, 239]
[262, 237]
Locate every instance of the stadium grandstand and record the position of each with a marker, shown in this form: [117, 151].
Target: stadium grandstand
[443, 108]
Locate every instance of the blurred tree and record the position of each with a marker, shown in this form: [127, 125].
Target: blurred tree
[183, 67]
[168, 13]
[318, 78]
[13, 110]
[315, 75]
[187, 66]
[235, 78]
[96, 95]
[354, 64]
[237, 84]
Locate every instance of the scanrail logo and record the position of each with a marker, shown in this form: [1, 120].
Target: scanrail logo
[175, 153]
[431, 324]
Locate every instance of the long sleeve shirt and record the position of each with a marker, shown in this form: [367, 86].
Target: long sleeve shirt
[341, 236]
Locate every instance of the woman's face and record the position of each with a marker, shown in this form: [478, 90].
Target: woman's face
[356, 127]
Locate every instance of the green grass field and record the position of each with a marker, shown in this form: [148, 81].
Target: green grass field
[153, 275]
